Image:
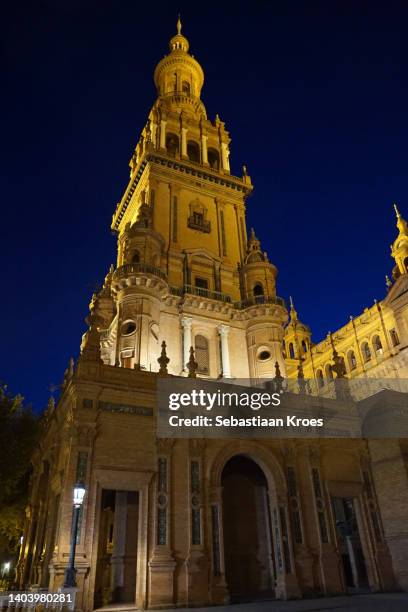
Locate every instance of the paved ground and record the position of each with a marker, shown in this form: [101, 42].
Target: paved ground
[381, 602]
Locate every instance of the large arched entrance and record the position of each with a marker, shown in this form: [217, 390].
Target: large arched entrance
[248, 553]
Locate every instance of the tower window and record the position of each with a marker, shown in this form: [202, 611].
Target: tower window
[352, 361]
[213, 159]
[193, 151]
[172, 144]
[291, 351]
[128, 328]
[264, 355]
[329, 372]
[136, 257]
[394, 337]
[202, 354]
[202, 283]
[185, 86]
[365, 349]
[258, 289]
[377, 344]
[304, 346]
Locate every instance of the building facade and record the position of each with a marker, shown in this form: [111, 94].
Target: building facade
[169, 522]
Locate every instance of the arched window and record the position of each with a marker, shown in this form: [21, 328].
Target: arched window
[258, 289]
[394, 337]
[319, 379]
[304, 346]
[136, 257]
[351, 359]
[213, 159]
[185, 86]
[193, 151]
[172, 144]
[202, 354]
[365, 349]
[377, 344]
[328, 372]
[291, 351]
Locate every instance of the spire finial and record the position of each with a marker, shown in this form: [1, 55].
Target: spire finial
[179, 25]
[397, 212]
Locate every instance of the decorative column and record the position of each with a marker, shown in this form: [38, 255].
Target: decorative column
[162, 563]
[163, 134]
[287, 586]
[204, 152]
[119, 546]
[196, 562]
[154, 133]
[225, 157]
[187, 323]
[218, 586]
[223, 330]
[330, 561]
[184, 131]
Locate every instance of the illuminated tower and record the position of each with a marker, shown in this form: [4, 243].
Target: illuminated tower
[186, 272]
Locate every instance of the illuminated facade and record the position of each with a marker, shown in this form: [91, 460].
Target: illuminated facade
[194, 522]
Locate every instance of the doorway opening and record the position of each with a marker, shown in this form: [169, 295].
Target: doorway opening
[115, 580]
[351, 550]
[248, 550]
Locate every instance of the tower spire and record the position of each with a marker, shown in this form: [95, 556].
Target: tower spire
[399, 250]
[179, 25]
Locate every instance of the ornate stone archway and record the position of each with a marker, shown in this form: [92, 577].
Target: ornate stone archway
[286, 584]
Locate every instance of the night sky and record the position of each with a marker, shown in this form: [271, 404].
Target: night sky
[314, 95]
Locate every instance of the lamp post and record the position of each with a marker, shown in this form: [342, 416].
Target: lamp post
[70, 572]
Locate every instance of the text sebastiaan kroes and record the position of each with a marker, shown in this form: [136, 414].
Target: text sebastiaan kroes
[222, 400]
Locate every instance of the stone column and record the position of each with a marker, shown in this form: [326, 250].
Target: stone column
[186, 323]
[119, 546]
[154, 133]
[204, 154]
[223, 330]
[184, 142]
[163, 134]
[225, 156]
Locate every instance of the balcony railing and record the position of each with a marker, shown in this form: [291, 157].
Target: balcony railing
[201, 292]
[138, 268]
[260, 299]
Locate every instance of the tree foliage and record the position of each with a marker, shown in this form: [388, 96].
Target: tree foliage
[19, 431]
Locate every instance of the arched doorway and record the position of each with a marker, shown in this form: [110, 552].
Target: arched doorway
[248, 553]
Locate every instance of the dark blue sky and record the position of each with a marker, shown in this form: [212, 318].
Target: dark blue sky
[314, 95]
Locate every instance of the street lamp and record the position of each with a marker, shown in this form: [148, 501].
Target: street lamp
[70, 572]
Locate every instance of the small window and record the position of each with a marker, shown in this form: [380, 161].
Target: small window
[394, 337]
[304, 346]
[329, 372]
[264, 355]
[377, 344]
[352, 361]
[258, 289]
[202, 354]
[128, 328]
[291, 351]
[136, 257]
[202, 283]
[198, 218]
[320, 379]
[213, 159]
[172, 144]
[193, 151]
[365, 349]
[185, 86]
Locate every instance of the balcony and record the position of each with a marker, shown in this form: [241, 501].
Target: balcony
[201, 292]
[260, 300]
[137, 268]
